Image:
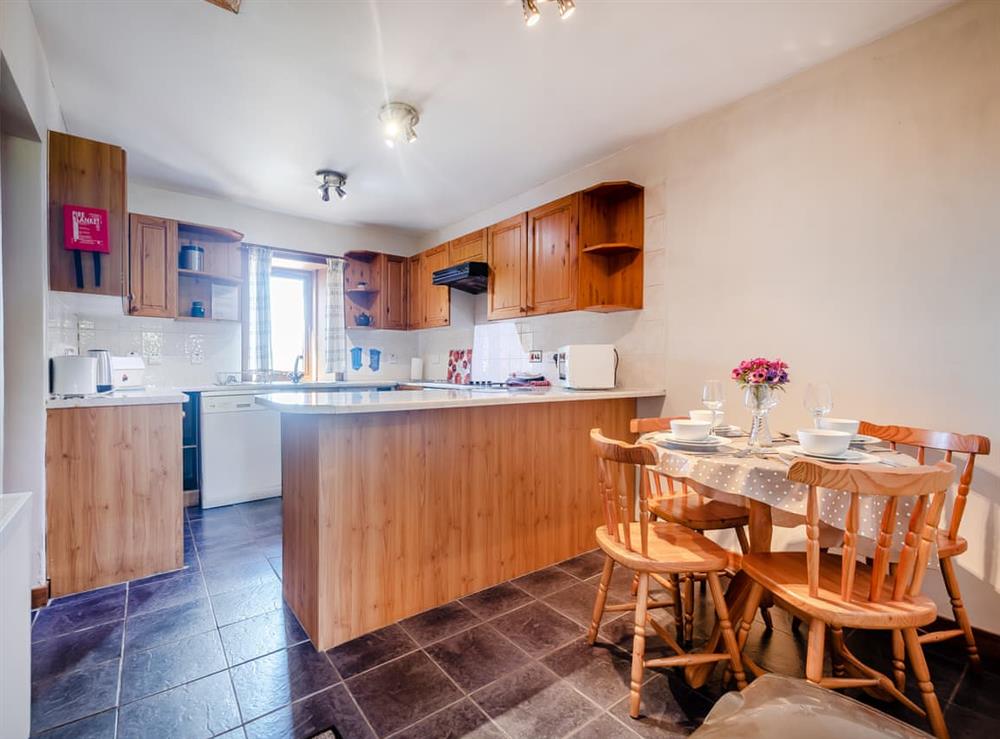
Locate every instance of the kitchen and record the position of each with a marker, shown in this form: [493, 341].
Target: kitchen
[313, 451]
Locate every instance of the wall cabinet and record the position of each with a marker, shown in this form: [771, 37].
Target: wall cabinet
[393, 292]
[468, 248]
[506, 249]
[414, 294]
[436, 298]
[580, 252]
[92, 174]
[152, 266]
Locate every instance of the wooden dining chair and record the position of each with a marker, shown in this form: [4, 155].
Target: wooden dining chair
[655, 551]
[836, 591]
[949, 543]
[692, 506]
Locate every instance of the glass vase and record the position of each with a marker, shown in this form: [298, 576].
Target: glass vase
[759, 399]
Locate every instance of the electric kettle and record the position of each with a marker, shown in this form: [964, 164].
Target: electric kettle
[104, 381]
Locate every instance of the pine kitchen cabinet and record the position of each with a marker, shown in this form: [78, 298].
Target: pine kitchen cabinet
[414, 294]
[436, 298]
[468, 248]
[113, 492]
[152, 267]
[393, 292]
[583, 251]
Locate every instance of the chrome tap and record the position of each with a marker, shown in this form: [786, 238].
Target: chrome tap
[295, 376]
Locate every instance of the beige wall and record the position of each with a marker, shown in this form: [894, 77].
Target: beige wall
[848, 220]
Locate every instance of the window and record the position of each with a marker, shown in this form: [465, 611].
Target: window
[292, 310]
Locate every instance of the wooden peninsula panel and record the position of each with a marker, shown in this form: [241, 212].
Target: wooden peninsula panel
[113, 494]
[389, 514]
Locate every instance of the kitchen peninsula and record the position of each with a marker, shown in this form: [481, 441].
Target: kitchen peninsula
[397, 502]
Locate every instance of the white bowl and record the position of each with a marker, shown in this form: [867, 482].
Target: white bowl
[706, 416]
[690, 430]
[847, 425]
[827, 442]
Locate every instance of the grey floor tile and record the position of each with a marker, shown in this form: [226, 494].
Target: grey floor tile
[604, 726]
[238, 605]
[476, 657]
[169, 665]
[195, 710]
[239, 575]
[660, 713]
[331, 709]
[439, 622]
[585, 565]
[577, 602]
[402, 692]
[73, 695]
[463, 719]
[76, 650]
[79, 612]
[270, 682]
[168, 625]
[601, 673]
[536, 628]
[533, 703]
[260, 635]
[544, 582]
[370, 650]
[496, 600]
[172, 591]
[98, 726]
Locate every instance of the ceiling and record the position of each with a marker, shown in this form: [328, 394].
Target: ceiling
[246, 107]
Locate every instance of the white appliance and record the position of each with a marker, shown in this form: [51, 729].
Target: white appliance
[587, 366]
[72, 374]
[128, 373]
[240, 449]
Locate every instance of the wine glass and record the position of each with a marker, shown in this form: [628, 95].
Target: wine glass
[818, 401]
[713, 398]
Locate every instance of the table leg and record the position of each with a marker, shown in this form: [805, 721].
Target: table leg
[738, 590]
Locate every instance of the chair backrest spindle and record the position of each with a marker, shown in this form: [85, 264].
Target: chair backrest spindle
[617, 462]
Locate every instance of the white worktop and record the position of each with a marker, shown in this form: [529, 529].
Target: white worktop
[257, 387]
[417, 400]
[150, 396]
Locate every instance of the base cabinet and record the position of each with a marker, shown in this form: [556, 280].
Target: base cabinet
[113, 494]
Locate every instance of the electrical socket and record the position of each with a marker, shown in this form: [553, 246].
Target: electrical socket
[535, 357]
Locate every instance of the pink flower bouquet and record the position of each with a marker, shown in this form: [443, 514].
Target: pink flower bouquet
[760, 371]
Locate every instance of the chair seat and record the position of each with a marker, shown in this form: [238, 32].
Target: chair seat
[672, 548]
[784, 574]
[699, 513]
[950, 547]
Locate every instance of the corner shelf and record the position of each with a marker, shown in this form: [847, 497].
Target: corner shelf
[358, 291]
[611, 247]
[210, 233]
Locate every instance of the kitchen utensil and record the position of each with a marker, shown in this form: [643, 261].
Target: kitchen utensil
[713, 417]
[71, 374]
[197, 309]
[356, 357]
[684, 430]
[363, 319]
[374, 359]
[105, 382]
[192, 257]
[824, 442]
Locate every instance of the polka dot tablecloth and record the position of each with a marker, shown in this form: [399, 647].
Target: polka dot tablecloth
[765, 479]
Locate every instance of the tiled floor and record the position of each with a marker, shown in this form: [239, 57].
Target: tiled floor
[211, 651]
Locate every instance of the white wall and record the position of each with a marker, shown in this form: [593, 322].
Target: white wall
[25, 272]
[846, 220]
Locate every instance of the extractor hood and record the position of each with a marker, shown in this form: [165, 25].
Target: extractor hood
[470, 277]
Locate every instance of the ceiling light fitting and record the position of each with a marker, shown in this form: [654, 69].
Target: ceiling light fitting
[398, 123]
[331, 180]
[532, 16]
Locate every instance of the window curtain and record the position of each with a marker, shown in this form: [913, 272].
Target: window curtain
[336, 333]
[258, 352]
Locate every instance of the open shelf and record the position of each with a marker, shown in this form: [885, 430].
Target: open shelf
[208, 233]
[226, 279]
[357, 291]
[195, 319]
[611, 247]
[361, 255]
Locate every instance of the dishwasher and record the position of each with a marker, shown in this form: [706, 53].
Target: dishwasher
[240, 449]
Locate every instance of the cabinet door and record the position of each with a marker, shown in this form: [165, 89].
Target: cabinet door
[393, 287]
[152, 266]
[553, 260]
[414, 296]
[468, 248]
[437, 298]
[506, 252]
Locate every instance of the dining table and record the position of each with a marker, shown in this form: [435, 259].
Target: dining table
[759, 481]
